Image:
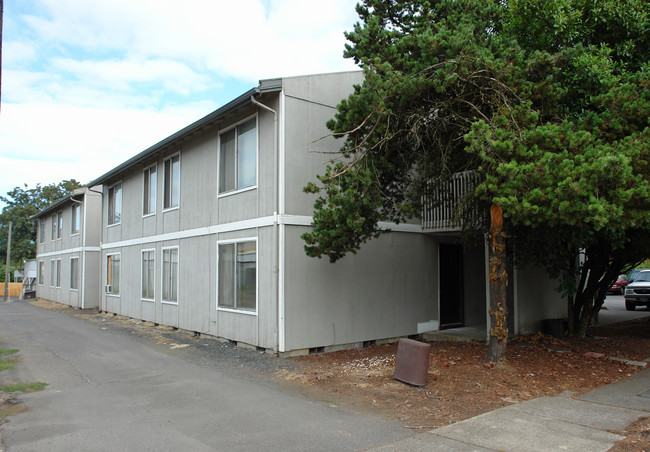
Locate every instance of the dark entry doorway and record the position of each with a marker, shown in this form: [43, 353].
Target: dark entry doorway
[451, 285]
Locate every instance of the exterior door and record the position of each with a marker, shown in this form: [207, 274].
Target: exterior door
[451, 285]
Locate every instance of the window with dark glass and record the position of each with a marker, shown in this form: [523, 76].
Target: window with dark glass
[75, 220]
[115, 204]
[74, 273]
[170, 275]
[238, 157]
[149, 191]
[172, 181]
[59, 225]
[237, 276]
[148, 268]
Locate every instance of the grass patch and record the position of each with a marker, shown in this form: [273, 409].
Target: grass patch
[8, 351]
[25, 387]
[7, 364]
[11, 410]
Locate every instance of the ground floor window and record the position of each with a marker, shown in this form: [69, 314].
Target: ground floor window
[237, 275]
[58, 273]
[113, 274]
[41, 270]
[74, 273]
[52, 273]
[148, 266]
[170, 275]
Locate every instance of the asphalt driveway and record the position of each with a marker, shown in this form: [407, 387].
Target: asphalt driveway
[110, 390]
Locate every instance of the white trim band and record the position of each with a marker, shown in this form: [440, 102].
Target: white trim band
[289, 220]
[70, 251]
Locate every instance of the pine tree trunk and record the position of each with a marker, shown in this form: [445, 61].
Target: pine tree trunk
[498, 284]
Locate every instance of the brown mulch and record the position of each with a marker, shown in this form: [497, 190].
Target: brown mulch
[461, 386]
[637, 437]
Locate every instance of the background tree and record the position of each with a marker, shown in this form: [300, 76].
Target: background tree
[21, 203]
[546, 100]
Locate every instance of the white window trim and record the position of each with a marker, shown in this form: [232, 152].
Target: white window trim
[235, 192]
[257, 276]
[41, 276]
[108, 204]
[257, 157]
[78, 271]
[52, 273]
[162, 277]
[41, 231]
[72, 232]
[180, 164]
[106, 275]
[142, 276]
[59, 267]
[153, 211]
[53, 230]
[59, 226]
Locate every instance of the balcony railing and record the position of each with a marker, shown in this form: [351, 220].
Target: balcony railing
[441, 202]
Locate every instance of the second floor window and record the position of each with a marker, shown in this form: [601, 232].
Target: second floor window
[41, 231]
[115, 204]
[75, 219]
[172, 181]
[59, 222]
[149, 191]
[53, 231]
[238, 157]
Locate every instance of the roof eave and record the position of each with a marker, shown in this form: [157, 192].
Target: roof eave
[265, 86]
[58, 204]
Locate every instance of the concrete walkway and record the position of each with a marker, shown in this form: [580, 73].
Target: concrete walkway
[559, 423]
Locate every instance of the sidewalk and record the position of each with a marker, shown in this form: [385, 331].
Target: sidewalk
[559, 423]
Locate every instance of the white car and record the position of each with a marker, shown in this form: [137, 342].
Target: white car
[637, 293]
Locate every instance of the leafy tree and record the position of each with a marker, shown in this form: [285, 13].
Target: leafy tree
[546, 100]
[571, 172]
[21, 203]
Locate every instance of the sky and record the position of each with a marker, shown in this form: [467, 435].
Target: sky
[88, 84]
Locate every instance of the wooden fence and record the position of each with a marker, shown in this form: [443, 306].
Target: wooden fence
[15, 288]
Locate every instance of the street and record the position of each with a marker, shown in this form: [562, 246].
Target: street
[109, 391]
[614, 311]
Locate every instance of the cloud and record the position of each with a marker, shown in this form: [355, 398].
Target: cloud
[17, 52]
[28, 172]
[65, 133]
[240, 39]
[87, 85]
[121, 74]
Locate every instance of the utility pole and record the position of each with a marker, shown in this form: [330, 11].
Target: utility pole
[7, 265]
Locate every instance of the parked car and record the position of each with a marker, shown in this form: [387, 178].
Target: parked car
[619, 285]
[637, 293]
[633, 274]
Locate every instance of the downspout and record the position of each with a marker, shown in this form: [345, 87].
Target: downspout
[100, 291]
[83, 254]
[279, 343]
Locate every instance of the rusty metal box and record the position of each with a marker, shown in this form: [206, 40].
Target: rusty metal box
[412, 363]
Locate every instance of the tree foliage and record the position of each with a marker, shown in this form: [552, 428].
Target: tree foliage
[547, 100]
[20, 204]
